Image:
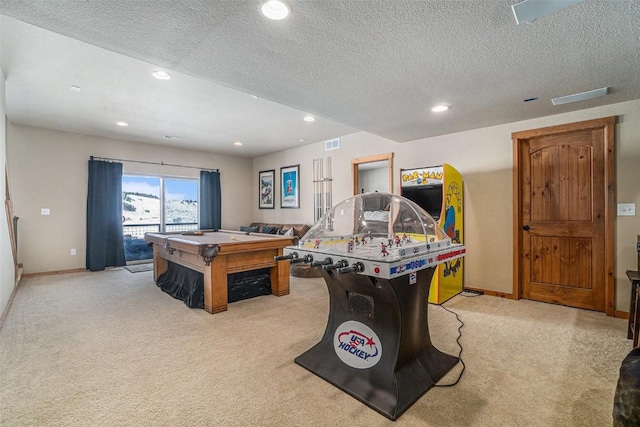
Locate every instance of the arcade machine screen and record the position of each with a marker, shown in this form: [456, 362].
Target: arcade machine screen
[429, 197]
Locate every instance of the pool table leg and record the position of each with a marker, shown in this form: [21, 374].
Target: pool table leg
[160, 265]
[280, 277]
[215, 285]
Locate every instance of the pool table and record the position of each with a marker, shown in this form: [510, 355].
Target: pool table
[216, 253]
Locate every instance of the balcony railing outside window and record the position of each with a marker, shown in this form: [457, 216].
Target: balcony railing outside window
[136, 231]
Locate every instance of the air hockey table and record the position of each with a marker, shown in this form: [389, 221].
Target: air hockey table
[378, 266]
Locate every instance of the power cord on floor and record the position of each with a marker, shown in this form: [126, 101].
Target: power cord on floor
[475, 294]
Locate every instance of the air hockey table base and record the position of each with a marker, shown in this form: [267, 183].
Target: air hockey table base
[376, 346]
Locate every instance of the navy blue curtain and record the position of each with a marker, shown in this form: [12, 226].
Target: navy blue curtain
[105, 247]
[210, 201]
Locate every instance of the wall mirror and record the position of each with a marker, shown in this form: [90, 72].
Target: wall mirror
[372, 173]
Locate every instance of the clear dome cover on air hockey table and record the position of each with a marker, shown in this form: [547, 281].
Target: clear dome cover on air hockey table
[376, 234]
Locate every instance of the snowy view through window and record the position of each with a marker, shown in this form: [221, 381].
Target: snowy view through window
[141, 204]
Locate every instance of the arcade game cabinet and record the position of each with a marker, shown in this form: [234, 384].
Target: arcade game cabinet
[377, 253]
[438, 190]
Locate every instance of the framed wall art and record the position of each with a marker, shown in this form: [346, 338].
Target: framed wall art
[289, 187]
[266, 187]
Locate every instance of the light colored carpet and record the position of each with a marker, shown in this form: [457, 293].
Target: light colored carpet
[111, 349]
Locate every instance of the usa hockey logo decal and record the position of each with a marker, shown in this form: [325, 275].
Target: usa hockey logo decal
[357, 345]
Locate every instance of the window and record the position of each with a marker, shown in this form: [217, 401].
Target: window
[153, 204]
[180, 204]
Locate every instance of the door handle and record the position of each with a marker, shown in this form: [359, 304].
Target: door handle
[525, 227]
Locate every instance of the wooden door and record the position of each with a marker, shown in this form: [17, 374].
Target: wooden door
[360, 162]
[564, 214]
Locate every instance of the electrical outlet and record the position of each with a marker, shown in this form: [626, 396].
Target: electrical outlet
[626, 209]
[73, 252]
[45, 211]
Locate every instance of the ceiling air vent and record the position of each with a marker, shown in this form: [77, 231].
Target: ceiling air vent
[332, 144]
[582, 96]
[530, 10]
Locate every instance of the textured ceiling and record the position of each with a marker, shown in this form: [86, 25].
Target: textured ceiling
[377, 66]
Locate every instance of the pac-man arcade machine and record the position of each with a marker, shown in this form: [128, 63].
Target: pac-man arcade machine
[438, 190]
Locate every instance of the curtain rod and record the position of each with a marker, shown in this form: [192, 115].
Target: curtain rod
[152, 163]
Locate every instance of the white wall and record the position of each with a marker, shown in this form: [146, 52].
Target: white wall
[7, 270]
[373, 179]
[484, 157]
[48, 169]
[355, 145]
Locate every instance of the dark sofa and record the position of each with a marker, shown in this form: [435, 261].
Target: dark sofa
[299, 230]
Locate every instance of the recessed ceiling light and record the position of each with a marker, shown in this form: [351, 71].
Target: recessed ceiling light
[122, 123]
[237, 143]
[254, 96]
[161, 75]
[309, 119]
[301, 140]
[75, 88]
[440, 108]
[275, 9]
[171, 137]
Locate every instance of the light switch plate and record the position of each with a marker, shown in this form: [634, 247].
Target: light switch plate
[626, 209]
